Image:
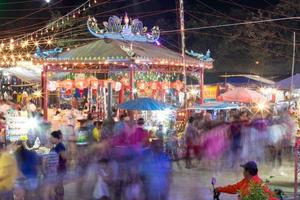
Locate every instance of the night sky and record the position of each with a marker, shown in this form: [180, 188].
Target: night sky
[19, 17]
[19, 14]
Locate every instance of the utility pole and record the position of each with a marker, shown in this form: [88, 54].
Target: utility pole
[293, 63]
[181, 15]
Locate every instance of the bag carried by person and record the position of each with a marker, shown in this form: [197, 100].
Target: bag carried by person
[101, 188]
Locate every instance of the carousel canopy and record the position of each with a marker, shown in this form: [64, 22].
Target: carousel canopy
[144, 104]
[122, 51]
[242, 95]
[285, 84]
[121, 43]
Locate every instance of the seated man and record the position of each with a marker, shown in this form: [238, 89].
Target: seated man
[244, 186]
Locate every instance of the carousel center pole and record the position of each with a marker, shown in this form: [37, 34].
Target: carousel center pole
[45, 92]
[131, 77]
[201, 85]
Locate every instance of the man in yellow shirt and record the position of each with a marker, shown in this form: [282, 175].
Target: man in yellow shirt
[8, 174]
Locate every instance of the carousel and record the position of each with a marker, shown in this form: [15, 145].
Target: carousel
[125, 59]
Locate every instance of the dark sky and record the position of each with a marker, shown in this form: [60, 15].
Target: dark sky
[21, 16]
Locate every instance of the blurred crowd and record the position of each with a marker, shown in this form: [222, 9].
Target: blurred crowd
[121, 160]
[243, 136]
[109, 160]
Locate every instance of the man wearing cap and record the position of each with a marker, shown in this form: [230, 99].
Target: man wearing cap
[243, 187]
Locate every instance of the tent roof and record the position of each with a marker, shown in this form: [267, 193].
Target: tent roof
[242, 95]
[28, 72]
[246, 79]
[285, 84]
[117, 51]
[25, 71]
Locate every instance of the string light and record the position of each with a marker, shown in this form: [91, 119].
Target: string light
[11, 47]
[12, 40]
[49, 42]
[36, 43]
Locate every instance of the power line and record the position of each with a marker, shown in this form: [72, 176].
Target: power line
[235, 24]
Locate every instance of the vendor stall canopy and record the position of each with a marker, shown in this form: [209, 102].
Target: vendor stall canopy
[285, 84]
[216, 106]
[145, 104]
[247, 79]
[28, 72]
[242, 95]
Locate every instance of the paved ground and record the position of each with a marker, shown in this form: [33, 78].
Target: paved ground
[194, 184]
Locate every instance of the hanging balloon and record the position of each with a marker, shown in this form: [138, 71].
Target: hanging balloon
[141, 85]
[101, 83]
[154, 85]
[59, 84]
[165, 85]
[68, 84]
[94, 84]
[125, 82]
[178, 85]
[52, 86]
[90, 79]
[81, 84]
[118, 86]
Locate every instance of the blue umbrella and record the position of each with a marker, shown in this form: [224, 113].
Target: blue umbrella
[216, 106]
[144, 104]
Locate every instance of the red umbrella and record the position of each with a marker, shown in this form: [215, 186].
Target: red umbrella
[242, 95]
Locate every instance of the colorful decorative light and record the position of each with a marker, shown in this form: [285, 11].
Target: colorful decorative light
[81, 84]
[67, 84]
[52, 86]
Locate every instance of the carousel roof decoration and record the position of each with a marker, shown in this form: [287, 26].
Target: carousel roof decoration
[124, 44]
[47, 54]
[201, 56]
[131, 30]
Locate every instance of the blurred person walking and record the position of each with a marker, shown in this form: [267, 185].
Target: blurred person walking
[50, 164]
[155, 172]
[28, 164]
[8, 174]
[235, 138]
[60, 149]
[190, 135]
